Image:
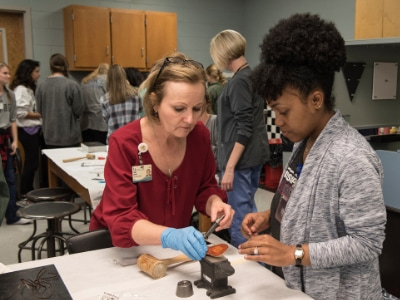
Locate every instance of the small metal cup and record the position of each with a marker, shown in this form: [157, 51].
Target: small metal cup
[184, 289]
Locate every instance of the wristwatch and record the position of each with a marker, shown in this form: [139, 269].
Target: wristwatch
[298, 254]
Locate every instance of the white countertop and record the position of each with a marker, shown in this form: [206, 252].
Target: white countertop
[88, 172]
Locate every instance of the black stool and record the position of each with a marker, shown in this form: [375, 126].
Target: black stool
[53, 212]
[52, 194]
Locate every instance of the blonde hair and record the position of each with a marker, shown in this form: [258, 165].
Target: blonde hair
[5, 88]
[227, 46]
[216, 74]
[118, 87]
[101, 69]
[188, 71]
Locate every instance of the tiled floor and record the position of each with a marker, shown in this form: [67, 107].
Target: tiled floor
[12, 235]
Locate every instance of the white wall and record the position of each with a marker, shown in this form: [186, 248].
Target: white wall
[200, 20]
[260, 15]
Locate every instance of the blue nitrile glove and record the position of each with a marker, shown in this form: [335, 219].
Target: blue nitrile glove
[188, 240]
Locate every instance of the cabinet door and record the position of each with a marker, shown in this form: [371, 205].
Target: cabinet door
[89, 36]
[391, 18]
[368, 19]
[128, 38]
[161, 35]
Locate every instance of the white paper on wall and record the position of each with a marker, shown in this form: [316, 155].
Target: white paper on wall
[385, 81]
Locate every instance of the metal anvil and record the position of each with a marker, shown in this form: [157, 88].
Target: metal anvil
[214, 276]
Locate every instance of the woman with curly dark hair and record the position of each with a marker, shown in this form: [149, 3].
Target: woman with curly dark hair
[29, 121]
[327, 218]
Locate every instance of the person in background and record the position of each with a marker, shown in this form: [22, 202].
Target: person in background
[60, 103]
[216, 82]
[28, 119]
[242, 137]
[121, 104]
[210, 121]
[327, 218]
[134, 76]
[93, 87]
[175, 146]
[9, 144]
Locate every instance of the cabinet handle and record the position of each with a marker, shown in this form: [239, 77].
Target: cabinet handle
[142, 51]
[107, 50]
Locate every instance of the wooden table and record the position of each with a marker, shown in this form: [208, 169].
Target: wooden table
[87, 181]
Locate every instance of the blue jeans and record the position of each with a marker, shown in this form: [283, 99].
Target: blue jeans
[241, 198]
[9, 174]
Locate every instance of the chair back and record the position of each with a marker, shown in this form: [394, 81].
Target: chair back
[88, 241]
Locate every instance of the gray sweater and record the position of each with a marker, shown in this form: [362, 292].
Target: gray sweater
[241, 119]
[60, 103]
[337, 208]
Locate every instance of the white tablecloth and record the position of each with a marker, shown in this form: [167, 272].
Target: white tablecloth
[89, 275]
[89, 173]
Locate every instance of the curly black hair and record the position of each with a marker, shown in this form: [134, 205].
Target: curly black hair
[302, 52]
[23, 74]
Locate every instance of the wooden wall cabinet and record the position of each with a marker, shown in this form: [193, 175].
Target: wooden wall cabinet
[130, 38]
[87, 36]
[161, 33]
[377, 19]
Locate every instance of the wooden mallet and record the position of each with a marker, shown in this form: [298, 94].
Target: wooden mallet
[157, 268]
[88, 156]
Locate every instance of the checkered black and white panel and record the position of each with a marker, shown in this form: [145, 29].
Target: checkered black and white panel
[273, 131]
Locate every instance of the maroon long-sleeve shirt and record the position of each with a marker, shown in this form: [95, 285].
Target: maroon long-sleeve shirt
[163, 200]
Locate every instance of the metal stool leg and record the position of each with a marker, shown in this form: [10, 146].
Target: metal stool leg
[50, 239]
[23, 245]
[70, 224]
[33, 248]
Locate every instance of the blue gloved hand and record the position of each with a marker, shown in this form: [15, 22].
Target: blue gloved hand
[188, 240]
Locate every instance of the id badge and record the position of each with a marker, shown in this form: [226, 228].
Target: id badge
[1, 105]
[141, 173]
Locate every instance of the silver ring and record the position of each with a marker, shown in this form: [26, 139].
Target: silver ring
[255, 251]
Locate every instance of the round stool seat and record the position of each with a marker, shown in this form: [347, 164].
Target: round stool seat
[49, 194]
[53, 212]
[49, 210]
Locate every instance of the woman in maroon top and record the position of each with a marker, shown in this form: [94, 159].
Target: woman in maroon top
[162, 165]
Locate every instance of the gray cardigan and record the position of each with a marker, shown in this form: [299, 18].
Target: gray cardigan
[241, 119]
[337, 208]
